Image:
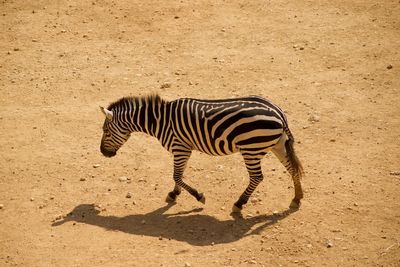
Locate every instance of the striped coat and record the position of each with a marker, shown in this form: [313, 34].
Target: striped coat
[251, 126]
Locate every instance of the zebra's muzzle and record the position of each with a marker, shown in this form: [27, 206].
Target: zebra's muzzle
[107, 153]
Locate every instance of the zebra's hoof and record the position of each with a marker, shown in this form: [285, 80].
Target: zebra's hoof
[236, 210]
[295, 204]
[202, 198]
[171, 198]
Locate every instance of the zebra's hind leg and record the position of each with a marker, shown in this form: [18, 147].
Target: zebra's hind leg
[181, 157]
[285, 153]
[253, 166]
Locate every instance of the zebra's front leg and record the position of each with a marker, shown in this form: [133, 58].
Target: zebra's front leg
[254, 169]
[181, 158]
[171, 197]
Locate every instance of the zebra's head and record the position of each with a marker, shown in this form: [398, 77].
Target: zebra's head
[114, 135]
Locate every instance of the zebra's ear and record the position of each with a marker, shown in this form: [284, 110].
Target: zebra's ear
[107, 113]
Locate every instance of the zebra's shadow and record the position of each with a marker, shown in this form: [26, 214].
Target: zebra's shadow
[189, 226]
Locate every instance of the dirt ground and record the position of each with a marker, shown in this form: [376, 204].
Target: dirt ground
[333, 66]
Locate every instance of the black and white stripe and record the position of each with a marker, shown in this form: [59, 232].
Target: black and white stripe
[250, 125]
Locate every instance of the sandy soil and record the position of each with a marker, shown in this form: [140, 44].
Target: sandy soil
[333, 66]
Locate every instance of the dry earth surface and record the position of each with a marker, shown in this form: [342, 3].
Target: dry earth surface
[333, 66]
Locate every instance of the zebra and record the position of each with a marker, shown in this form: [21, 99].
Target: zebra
[249, 125]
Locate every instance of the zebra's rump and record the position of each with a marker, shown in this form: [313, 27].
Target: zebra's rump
[221, 127]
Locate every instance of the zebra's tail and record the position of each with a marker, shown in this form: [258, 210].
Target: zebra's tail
[295, 163]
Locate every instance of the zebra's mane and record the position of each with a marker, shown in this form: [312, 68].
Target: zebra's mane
[153, 98]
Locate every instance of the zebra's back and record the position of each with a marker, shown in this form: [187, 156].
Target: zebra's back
[226, 126]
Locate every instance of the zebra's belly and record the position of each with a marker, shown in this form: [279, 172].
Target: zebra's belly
[260, 140]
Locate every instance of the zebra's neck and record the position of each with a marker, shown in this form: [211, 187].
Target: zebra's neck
[150, 115]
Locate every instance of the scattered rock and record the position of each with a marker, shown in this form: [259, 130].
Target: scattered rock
[314, 118]
[142, 180]
[128, 195]
[395, 173]
[123, 179]
[389, 67]
[165, 85]
[82, 179]
[96, 165]
[187, 264]
[329, 244]
[255, 200]
[1, 206]
[143, 222]
[32, 199]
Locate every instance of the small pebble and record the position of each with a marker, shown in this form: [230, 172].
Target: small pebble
[128, 195]
[187, 264]
[314, 118]
[96, 165]
[389, 67]
[395, 173]
[1, 206]
[32, 199]
[82, 179]
[165, 85]
[123, 179]
[143, 221]
[329, 244]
